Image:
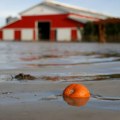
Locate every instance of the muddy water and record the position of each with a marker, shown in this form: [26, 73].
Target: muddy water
[55, 65]
[60, 58]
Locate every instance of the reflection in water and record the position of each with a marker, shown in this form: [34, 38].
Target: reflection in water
[78, 102]
[32, 58]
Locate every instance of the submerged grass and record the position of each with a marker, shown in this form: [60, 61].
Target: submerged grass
[81, 78]
[77, 78]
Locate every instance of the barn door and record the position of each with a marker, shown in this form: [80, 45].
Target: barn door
[44, 31]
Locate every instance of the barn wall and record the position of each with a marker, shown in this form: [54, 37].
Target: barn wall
[63, 34]
[1, 35]
[53, 35]
[8, 34]
[79, 35]
[56, 20]
[74, 36]
[27, 34]
[17, 35]
[25, 29]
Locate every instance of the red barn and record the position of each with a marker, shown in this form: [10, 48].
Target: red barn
[49, 21]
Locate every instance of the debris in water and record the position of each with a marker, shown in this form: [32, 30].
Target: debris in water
[22, 76]
[6, 93]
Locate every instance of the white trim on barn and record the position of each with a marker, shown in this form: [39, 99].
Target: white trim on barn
[79, 35]
[81, 19]
[27, 34]
[63, 34]
[8, 34]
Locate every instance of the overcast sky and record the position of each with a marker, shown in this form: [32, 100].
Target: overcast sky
[13, 7]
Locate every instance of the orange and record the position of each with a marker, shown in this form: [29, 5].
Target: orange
[76, 91]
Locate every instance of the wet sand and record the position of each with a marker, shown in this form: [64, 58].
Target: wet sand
[41, 99]
[43, 111]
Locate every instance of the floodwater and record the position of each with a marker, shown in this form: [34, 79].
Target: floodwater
[60, 58]
[55, 65]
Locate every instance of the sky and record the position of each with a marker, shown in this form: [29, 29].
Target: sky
[14, 7]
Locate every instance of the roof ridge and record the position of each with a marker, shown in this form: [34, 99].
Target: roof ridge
[67, 8]
[76, 7]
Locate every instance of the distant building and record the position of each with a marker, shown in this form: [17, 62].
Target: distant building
[11, 19]
[49, 21]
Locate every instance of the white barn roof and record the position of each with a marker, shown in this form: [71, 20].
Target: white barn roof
[65, 8]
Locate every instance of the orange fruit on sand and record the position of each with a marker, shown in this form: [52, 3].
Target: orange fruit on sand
[76, 91]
